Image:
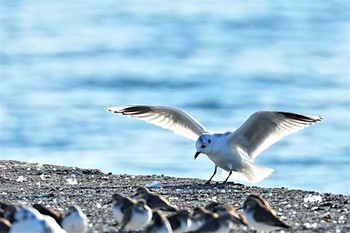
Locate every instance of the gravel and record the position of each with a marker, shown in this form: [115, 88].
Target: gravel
[60, 186]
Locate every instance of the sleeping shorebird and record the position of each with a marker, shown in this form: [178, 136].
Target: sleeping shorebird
[200, 216]
[180, 221]
[154, 200]
[28, 219]
[260, 215]
[75, 221]
[222, 209]
[233, 151]
[137, 216]
[160, 223]
[8, 211]
[50, 212]
[120, 204]
[219, 224]
[5, 225]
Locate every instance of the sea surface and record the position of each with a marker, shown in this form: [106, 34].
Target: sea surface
[63, 62]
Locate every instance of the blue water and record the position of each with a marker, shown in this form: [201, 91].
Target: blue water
[62, 62]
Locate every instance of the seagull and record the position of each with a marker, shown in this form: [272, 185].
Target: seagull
[232, 151]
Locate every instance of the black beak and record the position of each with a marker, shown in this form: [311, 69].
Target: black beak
[240, 208]
[196, 155]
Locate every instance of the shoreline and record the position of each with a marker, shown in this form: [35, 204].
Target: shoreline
[59, 186]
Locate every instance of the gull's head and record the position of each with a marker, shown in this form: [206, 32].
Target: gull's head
[204, 144]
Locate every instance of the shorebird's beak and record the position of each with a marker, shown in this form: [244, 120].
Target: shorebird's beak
[196, 155]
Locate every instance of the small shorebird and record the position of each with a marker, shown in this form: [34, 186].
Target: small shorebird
[233, 151]
[222, 209]
[8, 211]
[180, 221]
[154, 200]
[260, 215]
[75, 221]
[200, 216]
[137, 216]
[29, 220]
[50, 212]
[220, 224]
[5, 225]
[120, 204]
[160, 223]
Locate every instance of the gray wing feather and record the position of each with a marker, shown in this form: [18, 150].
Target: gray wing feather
[166, 117]
[262, 129]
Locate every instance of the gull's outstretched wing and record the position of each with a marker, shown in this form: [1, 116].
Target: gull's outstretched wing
[262, 129]
[166, 117]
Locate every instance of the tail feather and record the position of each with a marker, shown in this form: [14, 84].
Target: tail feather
[252, 172]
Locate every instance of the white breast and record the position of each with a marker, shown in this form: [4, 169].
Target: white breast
[75, 223]
[139, 219]
[225, 156]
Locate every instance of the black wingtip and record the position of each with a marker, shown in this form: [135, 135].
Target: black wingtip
[138, 109]
[304, 118]
[113, 111]
[131, 110]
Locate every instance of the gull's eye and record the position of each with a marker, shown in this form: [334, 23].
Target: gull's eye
[209, 141]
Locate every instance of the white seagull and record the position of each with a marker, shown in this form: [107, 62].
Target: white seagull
[233, 151]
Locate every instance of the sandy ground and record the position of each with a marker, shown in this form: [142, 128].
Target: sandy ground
[59, 186]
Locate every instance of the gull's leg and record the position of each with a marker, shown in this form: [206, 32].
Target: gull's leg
[229, 174]
[215, 170]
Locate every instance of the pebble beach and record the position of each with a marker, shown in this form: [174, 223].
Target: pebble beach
[60, 186]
